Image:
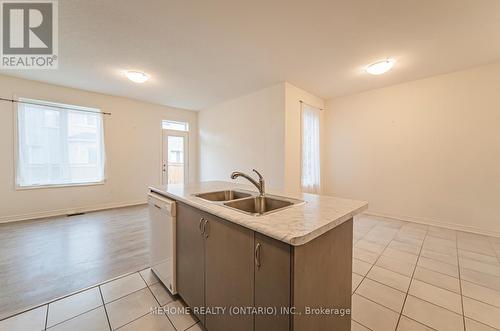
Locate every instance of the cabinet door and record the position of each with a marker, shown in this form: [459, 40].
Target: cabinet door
[190, 257]
[272, 283]
[229, 274]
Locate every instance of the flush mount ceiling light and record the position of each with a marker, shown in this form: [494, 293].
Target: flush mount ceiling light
[136, 76]
[380, 67]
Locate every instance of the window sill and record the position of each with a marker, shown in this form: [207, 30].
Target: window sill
[36, 187]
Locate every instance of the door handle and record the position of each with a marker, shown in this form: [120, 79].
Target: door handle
[201, 226]
[206, 228]
[257, 255]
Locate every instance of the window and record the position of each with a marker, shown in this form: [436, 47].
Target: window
[311, 158]
[58, 146]
[176, 126]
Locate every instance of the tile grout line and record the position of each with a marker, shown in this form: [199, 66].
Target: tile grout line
[75, 316]
[123, 296]
[147, 286]
[423, 267]
[422, 281]
[46, 317]
[494, 249]
[135, 319]
[390, 286]
[363, 235]
[159, 304]
[482, 323]
[378, 303]
[443, 262]
[497, 258]
[412, 275]
[361, 324]
[487, 274]
[481, 251]
[105, 309]
[460, 283]
[379, 282]
[432, 303]
[154, 297]
[419, 322]
[486, 303]
[470, 281]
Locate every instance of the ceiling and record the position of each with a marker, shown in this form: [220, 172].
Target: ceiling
[203, 52]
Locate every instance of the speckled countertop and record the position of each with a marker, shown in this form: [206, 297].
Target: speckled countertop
[296, 225]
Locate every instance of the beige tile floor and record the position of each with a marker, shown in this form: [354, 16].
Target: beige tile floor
[410, 277]
[406, 277]
[125, 304]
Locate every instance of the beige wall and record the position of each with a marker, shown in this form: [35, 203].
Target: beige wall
[293, 96]
[244, 133]
[427, 150]
[133, 152]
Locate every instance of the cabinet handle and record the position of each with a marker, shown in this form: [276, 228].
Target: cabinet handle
[201, 226]
[257, 255]
[206, 228]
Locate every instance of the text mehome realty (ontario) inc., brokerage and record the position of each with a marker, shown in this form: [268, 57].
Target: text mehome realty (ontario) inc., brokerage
[242, 310]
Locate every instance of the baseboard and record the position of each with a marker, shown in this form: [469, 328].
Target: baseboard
[59, 212]
[451, 226]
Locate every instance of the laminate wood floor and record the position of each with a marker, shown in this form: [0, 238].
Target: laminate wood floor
[41, 260]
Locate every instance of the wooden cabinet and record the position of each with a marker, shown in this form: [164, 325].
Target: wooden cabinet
[272, 283]
[190, 257]
[222, 264]
[322, 278]
[229, 274]
[215, 267]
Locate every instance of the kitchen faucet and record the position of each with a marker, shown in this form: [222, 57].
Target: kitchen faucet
[261, 185]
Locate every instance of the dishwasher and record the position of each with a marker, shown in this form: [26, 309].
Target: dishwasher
[162, 246]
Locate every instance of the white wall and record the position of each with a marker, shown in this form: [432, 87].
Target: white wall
[260, 130]
[427, 150]
[133, 152]
[293, 141]
[244, 133]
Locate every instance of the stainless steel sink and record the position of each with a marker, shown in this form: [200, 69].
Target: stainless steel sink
[248, 202]
[226, 195]
[261, 205]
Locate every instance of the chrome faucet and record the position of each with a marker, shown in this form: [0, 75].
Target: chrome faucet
[261, 185]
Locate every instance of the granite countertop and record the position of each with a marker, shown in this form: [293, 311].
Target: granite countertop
[296, 225]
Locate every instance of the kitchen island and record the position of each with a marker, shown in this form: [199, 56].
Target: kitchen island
[289, 269]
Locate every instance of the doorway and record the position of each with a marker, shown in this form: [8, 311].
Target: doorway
[175, 157]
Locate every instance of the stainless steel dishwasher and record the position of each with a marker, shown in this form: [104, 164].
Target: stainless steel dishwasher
[162, 249]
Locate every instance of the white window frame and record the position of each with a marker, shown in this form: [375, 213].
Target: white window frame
[175, 122]
[16, 145]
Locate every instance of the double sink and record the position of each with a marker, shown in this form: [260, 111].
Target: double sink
[248, 202]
